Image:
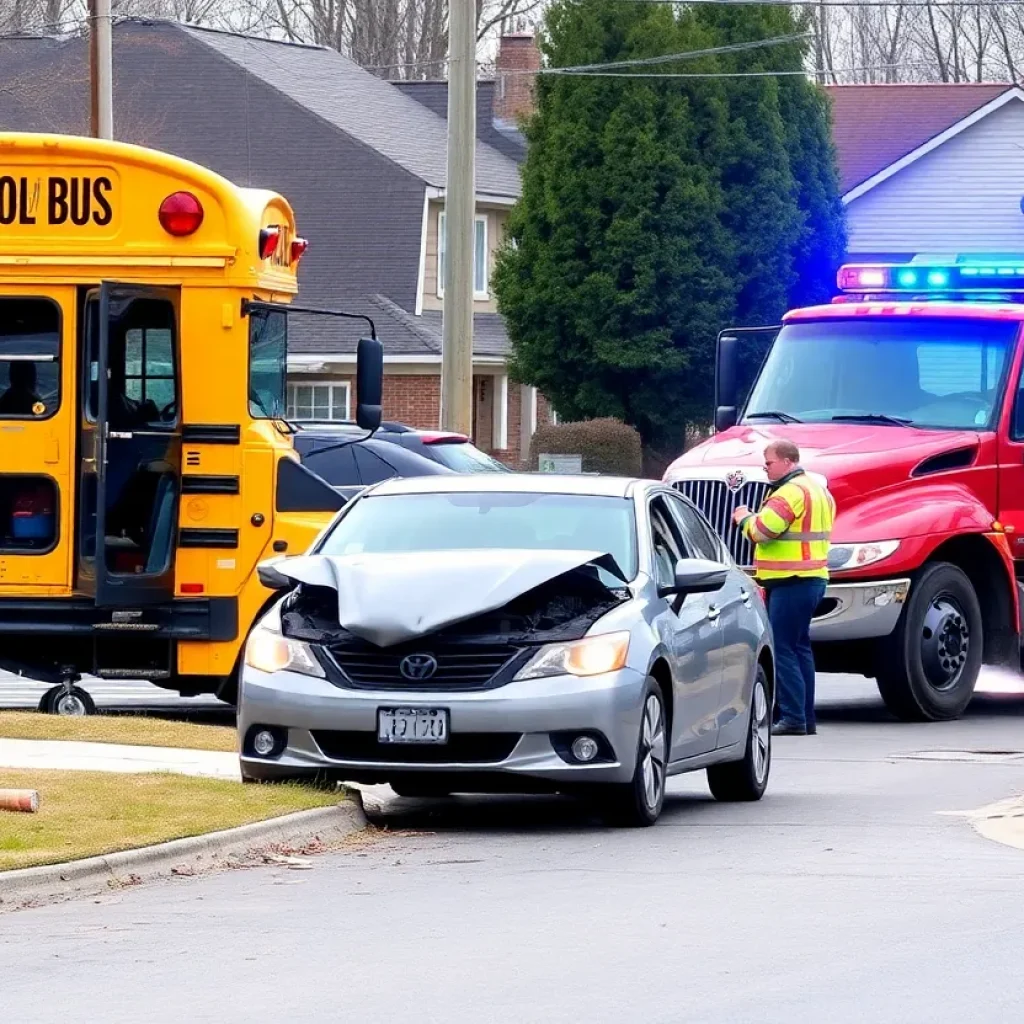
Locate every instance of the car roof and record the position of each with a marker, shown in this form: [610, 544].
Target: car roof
[514, 483]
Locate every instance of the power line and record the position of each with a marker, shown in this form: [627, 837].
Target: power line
[907, 4]
[808, 72]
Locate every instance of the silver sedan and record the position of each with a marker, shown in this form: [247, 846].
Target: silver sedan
[514, 633]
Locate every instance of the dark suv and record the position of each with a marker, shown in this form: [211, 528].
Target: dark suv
[395, 450]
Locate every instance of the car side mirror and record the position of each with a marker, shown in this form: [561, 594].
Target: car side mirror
[271, 578]
[369, 383]
[697, 576]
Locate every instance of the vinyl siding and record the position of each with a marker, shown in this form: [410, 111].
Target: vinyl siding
[963, 197]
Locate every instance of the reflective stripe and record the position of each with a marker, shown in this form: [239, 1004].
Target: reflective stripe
[797, 565]
[821, 535]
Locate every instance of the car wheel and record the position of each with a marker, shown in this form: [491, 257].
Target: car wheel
[747, 779]
[638, 803]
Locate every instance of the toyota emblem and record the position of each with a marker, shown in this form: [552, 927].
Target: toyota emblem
[418, 666]
[735, 480]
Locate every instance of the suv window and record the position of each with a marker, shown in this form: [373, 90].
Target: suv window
[337, 467]
[372, 468]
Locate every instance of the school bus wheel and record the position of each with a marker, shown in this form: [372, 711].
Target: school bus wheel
[72, 701]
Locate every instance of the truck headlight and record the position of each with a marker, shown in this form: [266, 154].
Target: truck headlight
[855, 556]
[269, 651]
[592, 656]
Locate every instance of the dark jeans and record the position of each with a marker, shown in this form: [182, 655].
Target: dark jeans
[790, 607]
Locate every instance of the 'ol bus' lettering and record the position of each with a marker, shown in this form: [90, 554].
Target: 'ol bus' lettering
[79, 200]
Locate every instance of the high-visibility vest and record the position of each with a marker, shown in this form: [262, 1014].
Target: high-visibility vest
[791, 530]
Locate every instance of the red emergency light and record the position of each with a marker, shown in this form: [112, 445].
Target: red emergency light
[299, 246]
[977, 277]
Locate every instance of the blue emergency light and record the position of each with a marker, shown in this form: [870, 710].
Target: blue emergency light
[940, 278]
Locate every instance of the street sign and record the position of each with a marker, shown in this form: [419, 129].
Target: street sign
[560, 463]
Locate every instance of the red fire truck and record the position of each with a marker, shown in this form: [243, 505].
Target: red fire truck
[906, 395]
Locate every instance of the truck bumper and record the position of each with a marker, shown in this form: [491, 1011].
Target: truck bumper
[859, 611]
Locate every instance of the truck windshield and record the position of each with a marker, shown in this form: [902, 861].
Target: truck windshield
[942, 374]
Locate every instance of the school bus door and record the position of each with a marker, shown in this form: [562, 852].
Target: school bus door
[130, 445]
[37, 402]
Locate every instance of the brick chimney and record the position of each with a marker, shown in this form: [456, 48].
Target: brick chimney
[513, 90]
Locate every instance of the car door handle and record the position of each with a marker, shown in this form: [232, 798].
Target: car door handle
[713, 613]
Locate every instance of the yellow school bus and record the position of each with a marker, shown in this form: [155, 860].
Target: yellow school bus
[145, 465]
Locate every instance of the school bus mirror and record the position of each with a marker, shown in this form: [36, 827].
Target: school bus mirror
[369, 383]
[271, 577]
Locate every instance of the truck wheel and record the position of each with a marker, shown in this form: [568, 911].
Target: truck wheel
[929, 665]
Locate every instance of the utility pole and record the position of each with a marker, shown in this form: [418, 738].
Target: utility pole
[460, 207]
[101, 77]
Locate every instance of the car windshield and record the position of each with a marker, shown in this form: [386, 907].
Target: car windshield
[921, 372]
[465, 458]
[392, 523]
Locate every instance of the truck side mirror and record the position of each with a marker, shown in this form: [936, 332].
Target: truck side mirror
[369, 383]
[726, 372]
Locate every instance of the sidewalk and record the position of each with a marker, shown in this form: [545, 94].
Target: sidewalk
[113, 757]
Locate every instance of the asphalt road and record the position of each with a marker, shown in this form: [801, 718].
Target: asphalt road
[845, 895]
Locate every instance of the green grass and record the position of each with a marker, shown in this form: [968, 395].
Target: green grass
[84, 814]
[132, 729]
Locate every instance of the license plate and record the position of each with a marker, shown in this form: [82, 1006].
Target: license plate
[412, 725]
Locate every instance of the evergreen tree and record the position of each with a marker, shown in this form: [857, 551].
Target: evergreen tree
[654, 212]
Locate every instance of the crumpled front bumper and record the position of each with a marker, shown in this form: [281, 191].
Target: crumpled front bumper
[859, 611]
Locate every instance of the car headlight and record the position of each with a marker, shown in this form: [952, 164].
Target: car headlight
[855, 556]
[269, 651]
[592, 656]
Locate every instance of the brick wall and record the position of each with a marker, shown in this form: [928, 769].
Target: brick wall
[415, 399]
[513, 92]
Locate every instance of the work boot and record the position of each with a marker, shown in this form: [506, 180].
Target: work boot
[784, 728]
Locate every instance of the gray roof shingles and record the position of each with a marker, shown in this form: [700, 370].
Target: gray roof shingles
[362, 105]
[361, 209]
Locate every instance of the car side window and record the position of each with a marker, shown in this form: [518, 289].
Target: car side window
[667, 549]
[337, 467]
[699, 536]
[372, 468]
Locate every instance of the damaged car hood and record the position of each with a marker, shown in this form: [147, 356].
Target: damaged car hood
[391, 598]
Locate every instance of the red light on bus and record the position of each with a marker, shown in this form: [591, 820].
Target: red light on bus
[299, 246]
[181, 214]
[192, 588]
[269, 238]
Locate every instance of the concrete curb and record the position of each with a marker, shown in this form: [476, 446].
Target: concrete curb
[194, 855]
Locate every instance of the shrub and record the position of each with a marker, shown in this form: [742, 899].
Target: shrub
[607, 445]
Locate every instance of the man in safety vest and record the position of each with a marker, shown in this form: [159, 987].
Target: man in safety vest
[791, 534]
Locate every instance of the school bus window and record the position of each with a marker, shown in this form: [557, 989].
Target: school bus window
[28, 514]
[268, 363]
[149, 366]
[29, 358]
[142, 370]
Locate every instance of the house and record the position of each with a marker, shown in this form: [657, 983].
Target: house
[363, 162]
[930, 169]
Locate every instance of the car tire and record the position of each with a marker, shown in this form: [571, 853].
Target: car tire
[747, 778]
[638, 803]
[929, 665]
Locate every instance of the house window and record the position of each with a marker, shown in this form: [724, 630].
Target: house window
[479, 257]
[319, 402]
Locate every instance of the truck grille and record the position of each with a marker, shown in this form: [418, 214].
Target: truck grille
[718, 503]
[459, 666]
